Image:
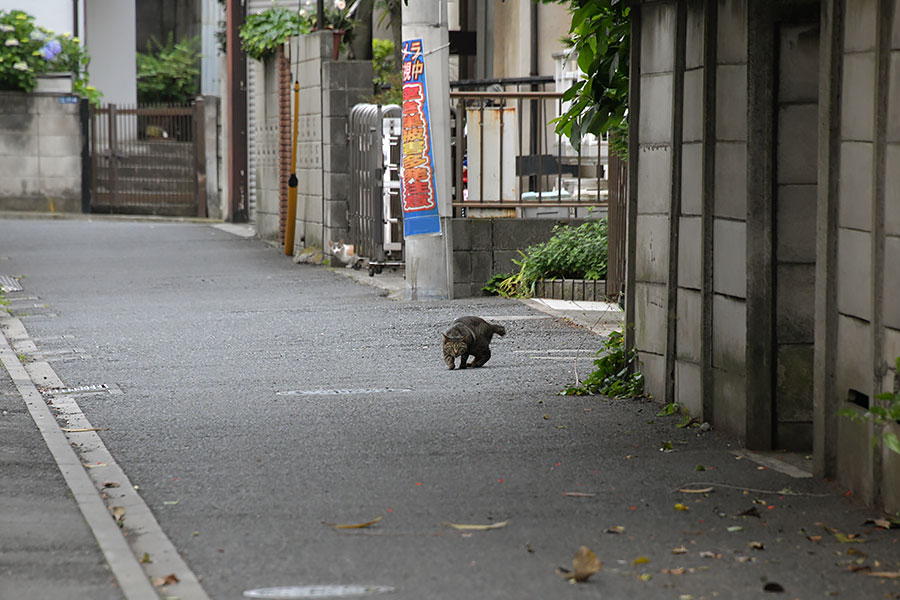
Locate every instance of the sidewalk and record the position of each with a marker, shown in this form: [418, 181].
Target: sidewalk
[47, 551]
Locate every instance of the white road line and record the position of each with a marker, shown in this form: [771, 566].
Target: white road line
[146, 536]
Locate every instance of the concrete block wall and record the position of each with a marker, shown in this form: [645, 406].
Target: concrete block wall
[654, 193]
[483, 248]
[771, 296]
[40, 153]
[868, 239]
[267, 136]
[328, 90]
[729, 220]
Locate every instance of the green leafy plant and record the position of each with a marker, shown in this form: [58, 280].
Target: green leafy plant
[614, 372]
[571, 253]
[28, 50]
[669, 409]
[262, 33]
[508, 286]
[881, 415]
[600, 32]
[388, 77]
[169, 72]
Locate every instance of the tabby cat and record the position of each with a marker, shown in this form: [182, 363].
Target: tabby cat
[469, 335]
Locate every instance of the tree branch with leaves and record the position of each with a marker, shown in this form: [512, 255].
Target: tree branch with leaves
[600, 33]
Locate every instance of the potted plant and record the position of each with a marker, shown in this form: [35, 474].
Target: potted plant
[339, 18]
[29, 52]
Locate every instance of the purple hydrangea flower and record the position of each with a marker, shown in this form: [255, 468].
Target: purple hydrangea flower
[51, 49]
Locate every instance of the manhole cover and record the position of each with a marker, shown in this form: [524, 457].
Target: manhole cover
[342, 392]
[318, 591]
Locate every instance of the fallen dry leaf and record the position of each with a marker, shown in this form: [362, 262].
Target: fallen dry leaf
[584, 564]
[82, 429]
[111, 484]
[167, 580]
[678, 571]
[355, 525]
[883, 523]
[849, 538]
[859, 569]
[680, 506]
[756, 546]
[616, 529]
[708, 554]
[705, 490]
[466, 527]
[640, 560]
[681, 550]
[118, 512]
[885, 574]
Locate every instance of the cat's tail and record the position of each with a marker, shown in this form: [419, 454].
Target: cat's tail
[499, 329]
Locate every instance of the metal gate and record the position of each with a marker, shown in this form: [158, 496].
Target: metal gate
[148, 160]
[376, 223]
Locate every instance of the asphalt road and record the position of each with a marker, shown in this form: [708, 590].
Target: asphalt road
[262, 399]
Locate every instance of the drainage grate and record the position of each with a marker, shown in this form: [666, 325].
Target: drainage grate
[318, 591]
[342, 392]
[83, 389]
[9, 284]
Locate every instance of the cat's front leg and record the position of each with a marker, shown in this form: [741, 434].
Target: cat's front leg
[450, 360]
[463, 359]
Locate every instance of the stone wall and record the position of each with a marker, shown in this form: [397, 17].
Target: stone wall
[859, 291]
[40, 153]
[483, 248]
[764, 222]
[328, 90]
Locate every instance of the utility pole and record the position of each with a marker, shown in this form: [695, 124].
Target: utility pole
[236, 69]
[425, 151]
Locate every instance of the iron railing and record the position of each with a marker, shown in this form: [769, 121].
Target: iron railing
[512, 163]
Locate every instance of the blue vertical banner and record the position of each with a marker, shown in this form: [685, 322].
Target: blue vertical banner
[417, 188]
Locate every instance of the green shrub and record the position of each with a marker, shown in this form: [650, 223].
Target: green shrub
[572, 253]
[170, 72]
[28, 50]
[262, 33]
[614, 373]
[387, 80]
[882, 414]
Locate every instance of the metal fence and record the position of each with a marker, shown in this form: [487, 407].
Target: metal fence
[376, 220]
[512, 163]
[148, 160]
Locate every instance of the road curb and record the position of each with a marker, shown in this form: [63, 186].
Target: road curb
[133, 578]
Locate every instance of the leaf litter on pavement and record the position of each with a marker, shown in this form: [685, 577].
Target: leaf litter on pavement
[584, 564]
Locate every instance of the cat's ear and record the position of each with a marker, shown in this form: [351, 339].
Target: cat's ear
[446, 338]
